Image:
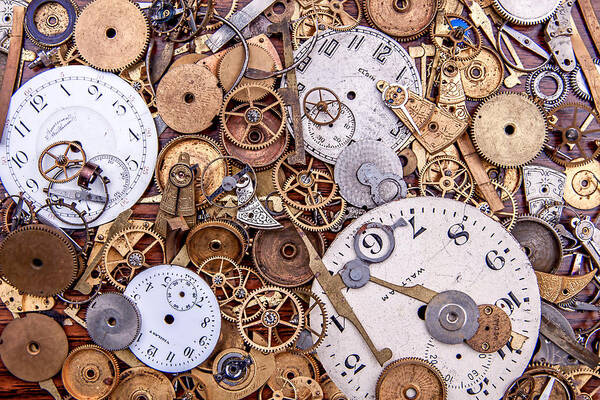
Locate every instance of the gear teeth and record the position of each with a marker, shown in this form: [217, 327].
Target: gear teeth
[139, 322]
[39, 43]
[514, 20]
[530, 87]
[445, 51]
[575, 86]
[299, 220]
[325, 317]
[218, 24]
[421, 361]
[401, 39]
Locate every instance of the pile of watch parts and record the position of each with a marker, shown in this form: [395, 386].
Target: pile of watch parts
[301, 200]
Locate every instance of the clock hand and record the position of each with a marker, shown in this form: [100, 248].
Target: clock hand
[417, 292]
[332, 285]
[548, 389]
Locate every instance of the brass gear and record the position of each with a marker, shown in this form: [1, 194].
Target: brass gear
[225, 13]
[540, 242]
[128, 251]
[143, 383]
[306, 344]
[447, 175]
[507, 138]
[483, 75]
[224, 277]
[252, 116]
[7, 209]
[230, 66]
[251, 280]
[580, 378]
[90, 373]
[38, 260]
[411, 378]
[51, 19]
[188, 98]
[405, 20]
[582, 189]
[275, 307]
[33, 348]
[218, 237]
[202, 150]
[569, 124]
[506, 218]
[189, 386]
[304, 29]
[452, 39]
[510, 178]
[329, 216]
[342, 19]
[533, 381]
[292, 365]
[112, 35]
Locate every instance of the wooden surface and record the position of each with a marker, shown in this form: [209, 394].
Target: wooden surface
[13, 388]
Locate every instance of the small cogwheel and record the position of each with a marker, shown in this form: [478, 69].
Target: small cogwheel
[456, 37]
[579, 84]
[548, 73]
[50, 23]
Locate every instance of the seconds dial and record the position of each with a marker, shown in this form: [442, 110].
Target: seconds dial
[410, 262]
[180, 318]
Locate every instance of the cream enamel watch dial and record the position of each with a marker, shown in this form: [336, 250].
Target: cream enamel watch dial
[359, 58]
[180, 316]
[443, 245]
[101, 112]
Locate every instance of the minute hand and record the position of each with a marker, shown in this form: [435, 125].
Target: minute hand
[418, 292]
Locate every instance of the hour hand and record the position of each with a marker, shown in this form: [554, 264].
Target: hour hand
[417, 292]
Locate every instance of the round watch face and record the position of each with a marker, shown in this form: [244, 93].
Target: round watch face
[103, 115]
[361, 57]
[180, 315]
[442, 245]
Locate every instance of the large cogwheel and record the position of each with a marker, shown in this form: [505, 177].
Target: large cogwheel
[409, 378]
[405, 20]
[526, 12]
[112, 35]
[509, 129]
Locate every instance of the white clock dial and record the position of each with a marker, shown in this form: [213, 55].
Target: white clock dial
[445, 245]
[180, 316]
[360, 57]
[100, 111]
[332, 137]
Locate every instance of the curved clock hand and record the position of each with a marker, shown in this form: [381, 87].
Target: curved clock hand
[418, 292]
[332, 285]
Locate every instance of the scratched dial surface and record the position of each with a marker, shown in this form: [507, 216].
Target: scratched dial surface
[445, 245]
[358, 59]
[100, 111]
[180, 318]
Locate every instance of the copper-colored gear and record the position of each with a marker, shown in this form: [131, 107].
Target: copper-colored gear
[38, 260]
[112, 35]
[306, 344]
[202, 150]
[230, 66]
[507, 138]
[582, 188]
[189, 386]
[281, 256]
[252, 116]
[483, 75]
[292, 365]
[329, 216]
[540, 241]
[494, 330]
[7, 209]
[33, 348]
[225, 12]
[405, 20]
[62, 161]
[447, 175]
[453, 40]
[275, 307]
[129, 251]
[304, 29]
[533, 382]
[570, 124]
[188, 98]
[411, 378]
[217, 237]
[90, 373]
[581, 378]
[143, 383]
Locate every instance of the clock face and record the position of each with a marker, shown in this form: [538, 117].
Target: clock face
[180, 318]
[445, 245]
[101, 112]
[361, 57]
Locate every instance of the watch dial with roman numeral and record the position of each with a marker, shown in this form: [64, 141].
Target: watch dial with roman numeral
[349, 64]
[101, 112]
[180, 315]
[445, 245]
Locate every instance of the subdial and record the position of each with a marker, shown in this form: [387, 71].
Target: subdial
[181, 294]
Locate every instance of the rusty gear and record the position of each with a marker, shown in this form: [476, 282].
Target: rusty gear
[143, 383]
[90, 373]
[406, 20]
[411, 378]
[111, 35]
[38, 260]
[216, 238]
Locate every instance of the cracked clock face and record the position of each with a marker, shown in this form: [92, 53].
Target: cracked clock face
[445, 245]
[99, 111]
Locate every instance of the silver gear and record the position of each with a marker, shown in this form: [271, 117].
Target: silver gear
[579, 84]
[113, 321]
[534, 89]
[526, 12]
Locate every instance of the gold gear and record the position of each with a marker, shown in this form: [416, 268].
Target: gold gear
[506, 218]
[224, 277]
[510, 178]
[454, 41]
[62, 161]
[570, 124]
[309, 330]
[446, 175]
[289, 391]
[291, 365]
[533, 382]
[137, 77]
[581, 378]
[38, 260]
[70, 56]
[581, 189]
[342, 20]
[252, 116]
[90, 373]
[112, 35]
[251, 280]
[230, 66]
[329, 216]
[188, 386]
[221, 12]
[7, 209]
[507, 138]
[411, 378]
[275, 308]
[143, 383]
[202, 150]
[304, 29]
[405, 20]
[188, 98]
[126, 254]
[483, 75]
[217, 237]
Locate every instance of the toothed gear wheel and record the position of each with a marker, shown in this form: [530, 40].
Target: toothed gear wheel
[129, 251]
[7, 210]
[540, 241]
[548, 72]
[447, 176]
[113, 321]
[90, 373]
[342, 20]
[456, 37]
[405, 20]
[276, 307]
[580, 378]
[251, 115]
[38, 260]
[311, 337]
[50, 23]
[221, 10]
[411, 378]
[330, 216]
[578, 83]
[526, 12]
[534, 381]
[505, 137]
[218, 237]
[112, 35]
